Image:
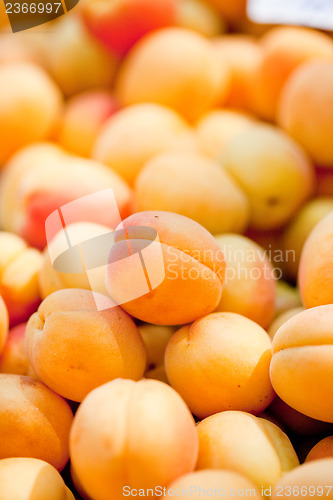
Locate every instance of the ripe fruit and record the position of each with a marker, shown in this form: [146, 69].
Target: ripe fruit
[134, 434]
[221, 362]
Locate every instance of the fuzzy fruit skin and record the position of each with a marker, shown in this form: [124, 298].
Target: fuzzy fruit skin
[136, 434]
[221, 350]
[301, 367]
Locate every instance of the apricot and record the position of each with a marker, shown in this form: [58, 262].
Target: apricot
[284, 49]
[76, 61]
[19, 267]
[297, 422]
[34, 421]
[206, 482]
[195, 186]
[83, 118]
[14, 49]
[4, 323]
[315, 478]
[199, 16]
[74, 348]
[38, 480]
[28, 112]
[315, 273]
[282, 318]
[158, 443]
[273, 171]
[51, 279]
[250, 286]
[155, 338]
[242, 53]
[217, 128]
[183, 272]
[136, 134]
[119, 25]
[227, 440]
[300, 227]
[14, 359]
[221, 362]
[42, 178]
[174, 67]
[301, 367]
[323, 449]
[309, 92]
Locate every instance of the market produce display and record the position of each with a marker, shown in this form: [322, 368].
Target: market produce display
[166, 253]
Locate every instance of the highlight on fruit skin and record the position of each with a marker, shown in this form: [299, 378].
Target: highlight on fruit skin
[158, 444]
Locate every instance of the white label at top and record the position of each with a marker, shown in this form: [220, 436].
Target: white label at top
[313, 13]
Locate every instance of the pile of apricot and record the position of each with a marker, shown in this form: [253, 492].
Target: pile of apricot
[166, 255]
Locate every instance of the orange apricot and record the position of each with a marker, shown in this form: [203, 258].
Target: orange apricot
[174, 67]
[73, 347]
[273, 171]
[19, 267]
[83, 118]
[297, 231]
[34, 421]
[301, 367]
[14, 357]
[315, 273]
[309, 93]
[221, 362]
[74, 58]
[131, 434]
[284, 49]
[323, 449]
[195, 186]
[42, 178]
[184, 268]
[136, 134]
[242, 53]
[250, 286]
[217, 128]
[28, 112]
[227, 441]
